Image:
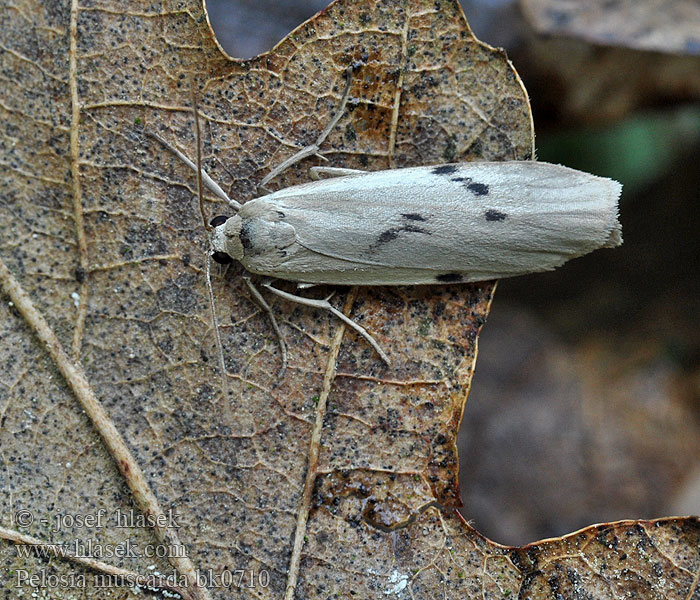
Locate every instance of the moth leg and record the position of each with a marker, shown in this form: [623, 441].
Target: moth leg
[313, 149]
[208, 182]
[328, 306]
[266, 307]
[305, 286]
[317, 173]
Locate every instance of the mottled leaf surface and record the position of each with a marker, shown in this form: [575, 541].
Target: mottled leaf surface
[339, 479]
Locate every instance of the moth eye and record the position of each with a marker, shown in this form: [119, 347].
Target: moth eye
[218, 220]
[221, 257]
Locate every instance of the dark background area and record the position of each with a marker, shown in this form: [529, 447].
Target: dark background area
[585, 405]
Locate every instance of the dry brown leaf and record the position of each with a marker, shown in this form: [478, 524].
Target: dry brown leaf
[101, 229]
[666, 26]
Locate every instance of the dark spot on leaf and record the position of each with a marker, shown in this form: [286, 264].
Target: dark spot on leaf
[449, 153]
[179, 295]
[495, 215]
[166, 344]
[350, 133]
[145, 239]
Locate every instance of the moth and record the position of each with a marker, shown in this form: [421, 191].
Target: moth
[451, 223]
[424, 225]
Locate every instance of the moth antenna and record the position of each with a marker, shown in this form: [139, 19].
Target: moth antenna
[210, 184]
[198, 137]
[215, 322]
[208, 228]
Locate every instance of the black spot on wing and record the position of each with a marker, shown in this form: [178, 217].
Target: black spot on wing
[449, 278]
[444, 170]
[393, 232]
[387, 236]
[478, 189]
[246, 235]
[495, 215]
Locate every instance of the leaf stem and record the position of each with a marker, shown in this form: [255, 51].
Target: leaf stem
[314, 453]
[77, 380]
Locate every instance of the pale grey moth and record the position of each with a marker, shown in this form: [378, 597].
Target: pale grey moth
[424, 225]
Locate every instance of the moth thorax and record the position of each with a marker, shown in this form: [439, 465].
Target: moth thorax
[226, 238]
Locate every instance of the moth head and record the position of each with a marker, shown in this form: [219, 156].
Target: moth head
[226, 239]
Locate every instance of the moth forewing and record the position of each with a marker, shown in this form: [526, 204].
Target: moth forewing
[425, 225]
